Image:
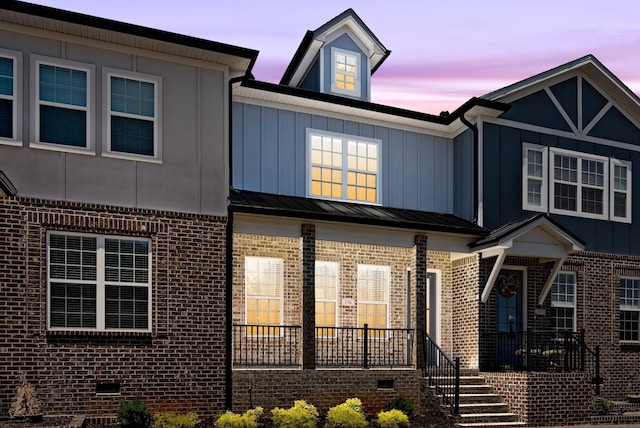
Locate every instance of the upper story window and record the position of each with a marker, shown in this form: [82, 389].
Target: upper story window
[571, 183]
[345, 69]
[132, 116]
[373, 297]
[326, 291]
[9, 66]
[98, 282]
[630, 309]
[343, 167]
[62, 102]
[563, 302]
[263, 278]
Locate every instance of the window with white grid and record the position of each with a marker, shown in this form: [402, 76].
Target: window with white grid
[630, 309]
[345, 68]
[98, 282]
[563, 302]
[326, 297]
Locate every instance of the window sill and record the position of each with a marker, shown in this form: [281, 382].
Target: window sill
[630, 345]
[99, 334]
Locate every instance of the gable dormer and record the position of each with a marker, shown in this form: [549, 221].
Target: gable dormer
[337, 58]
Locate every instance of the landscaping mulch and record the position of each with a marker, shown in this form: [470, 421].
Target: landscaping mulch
[46, 422]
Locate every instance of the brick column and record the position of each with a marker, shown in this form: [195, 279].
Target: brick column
[420, 242]
[308, 296]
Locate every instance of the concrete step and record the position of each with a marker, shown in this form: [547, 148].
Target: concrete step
[488, 418]
[490, 424]
[470, 389]
[477, 408]
[479, 398]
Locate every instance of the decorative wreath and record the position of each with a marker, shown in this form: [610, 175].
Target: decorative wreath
[508, 286]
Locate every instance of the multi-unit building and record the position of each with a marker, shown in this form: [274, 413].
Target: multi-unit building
[175, 230]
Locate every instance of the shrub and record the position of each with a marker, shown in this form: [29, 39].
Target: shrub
[25, 402]
[134, 414]
[232, 420]
[347, 415]
[301, 415]
[393, 418]
[401, 403]
[174, 420]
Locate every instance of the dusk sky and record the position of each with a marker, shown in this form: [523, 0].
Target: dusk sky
[443, 52]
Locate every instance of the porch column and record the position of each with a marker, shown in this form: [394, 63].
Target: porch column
[421, 296]
[308, 296]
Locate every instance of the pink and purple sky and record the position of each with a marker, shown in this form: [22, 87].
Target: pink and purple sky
[443, 52]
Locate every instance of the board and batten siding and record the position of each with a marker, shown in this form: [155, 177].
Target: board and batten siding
[269, 155]
[192, 175]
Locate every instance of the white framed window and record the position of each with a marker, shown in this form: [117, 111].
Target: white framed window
[97, 282]
[10, 70]
[620, 198]
[343, 167]
[534, 189]
[326, 291]
[263, 278]
[373, 298]
[63, 104]
[132, 116]
[577, 184]
[629, 309]
[563, 302]
[345, 72]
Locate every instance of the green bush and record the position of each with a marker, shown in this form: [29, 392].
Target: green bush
[174, 420]
[400, 403]
[232, 420]
[134, 414]
[393, 418]
[349, 414]
[301, 415]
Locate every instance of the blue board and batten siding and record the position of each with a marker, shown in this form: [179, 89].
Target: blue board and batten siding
[464, 181]
[503, 154]
[269, 155]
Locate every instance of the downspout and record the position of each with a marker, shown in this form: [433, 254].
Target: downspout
[228, 353]
[474, 130]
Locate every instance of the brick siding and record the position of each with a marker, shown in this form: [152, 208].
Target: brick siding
[179, 365]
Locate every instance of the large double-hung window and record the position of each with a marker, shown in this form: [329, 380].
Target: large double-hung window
[326, 291]
[263, 278]
[572, 183]
[9, 62]
[133, 113]
[343, 167]
[98, 282]
[63, 102]
[373, 297]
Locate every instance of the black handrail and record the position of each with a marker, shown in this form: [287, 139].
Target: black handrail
[540, 351]
[363, 347]
[442, 373]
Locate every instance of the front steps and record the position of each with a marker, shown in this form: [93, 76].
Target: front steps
[480, 407]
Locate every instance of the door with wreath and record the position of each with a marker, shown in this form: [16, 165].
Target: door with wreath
[510, 318]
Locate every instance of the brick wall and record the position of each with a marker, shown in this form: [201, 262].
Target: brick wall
[545, 399]
[179, 365]
[465, 293]
[322, 388]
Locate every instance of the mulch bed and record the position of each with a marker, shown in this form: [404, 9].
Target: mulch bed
[47, 421]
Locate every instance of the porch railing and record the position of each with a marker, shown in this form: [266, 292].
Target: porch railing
[443, 374]
[266, 346]
[363, 347]
[261, 346]
[540, 350]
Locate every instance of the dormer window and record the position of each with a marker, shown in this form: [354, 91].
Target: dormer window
[345, 69]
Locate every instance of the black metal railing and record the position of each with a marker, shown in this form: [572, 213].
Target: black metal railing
[443, 374]
[363, 347]
[266, 346]
[540, 351]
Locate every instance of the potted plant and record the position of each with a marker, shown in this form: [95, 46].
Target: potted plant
[25, 404]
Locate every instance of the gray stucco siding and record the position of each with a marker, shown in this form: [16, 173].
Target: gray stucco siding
[269, 155]
[191, 173]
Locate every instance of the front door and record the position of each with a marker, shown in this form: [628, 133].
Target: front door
[510, 317]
